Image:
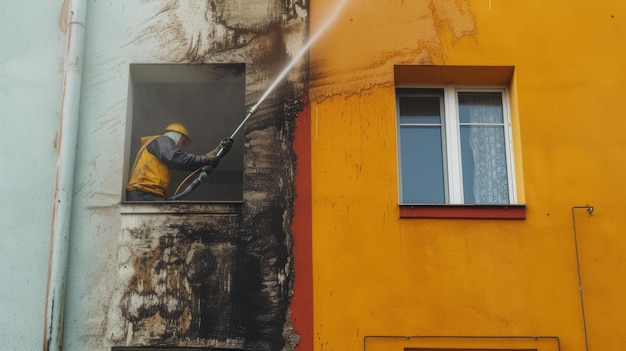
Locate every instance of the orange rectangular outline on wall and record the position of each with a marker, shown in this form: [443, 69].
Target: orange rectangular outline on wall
[461, 343]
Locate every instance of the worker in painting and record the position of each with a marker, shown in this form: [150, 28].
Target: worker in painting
[150, 174]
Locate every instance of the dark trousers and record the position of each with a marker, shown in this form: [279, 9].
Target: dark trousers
[136, 195]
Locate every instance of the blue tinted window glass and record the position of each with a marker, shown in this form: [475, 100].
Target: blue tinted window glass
[422, 165]
[420, 109]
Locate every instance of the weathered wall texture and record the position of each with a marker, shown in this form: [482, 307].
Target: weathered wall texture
[369, 38]
[187, 276]
[203, 280]
[226, 282]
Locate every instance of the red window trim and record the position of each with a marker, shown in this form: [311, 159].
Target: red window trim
[464, 211]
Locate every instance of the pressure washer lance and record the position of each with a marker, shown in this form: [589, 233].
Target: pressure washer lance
[208, 169]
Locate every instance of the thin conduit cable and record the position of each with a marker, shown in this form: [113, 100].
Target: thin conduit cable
[580, 282]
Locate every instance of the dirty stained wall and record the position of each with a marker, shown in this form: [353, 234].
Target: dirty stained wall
[197, 275]
[204, 280]
[226, 282]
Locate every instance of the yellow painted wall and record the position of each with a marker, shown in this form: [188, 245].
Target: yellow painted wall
[377, 274]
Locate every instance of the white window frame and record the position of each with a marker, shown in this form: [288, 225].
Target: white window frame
[451, 140]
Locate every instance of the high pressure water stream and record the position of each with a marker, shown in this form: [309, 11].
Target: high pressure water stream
[325, 25]
[204, 171]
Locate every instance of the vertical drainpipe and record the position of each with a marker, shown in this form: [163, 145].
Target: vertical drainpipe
[64, 184]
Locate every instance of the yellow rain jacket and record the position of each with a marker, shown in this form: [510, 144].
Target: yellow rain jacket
[157, 155]
[149, 174]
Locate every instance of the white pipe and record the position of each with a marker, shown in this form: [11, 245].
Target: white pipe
[64, 185]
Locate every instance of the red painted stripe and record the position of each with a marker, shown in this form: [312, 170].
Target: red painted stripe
[302, 301]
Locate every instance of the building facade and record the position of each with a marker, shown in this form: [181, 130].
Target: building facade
[212, 270]
[408, 252]
[428, 175]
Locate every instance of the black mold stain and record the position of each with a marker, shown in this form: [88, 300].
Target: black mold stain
[236, 31]
[225, 280]
[222, 282]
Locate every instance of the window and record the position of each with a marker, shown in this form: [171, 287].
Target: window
[455, 146]
[209, 99]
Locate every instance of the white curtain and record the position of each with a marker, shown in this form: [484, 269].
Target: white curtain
[488, 148]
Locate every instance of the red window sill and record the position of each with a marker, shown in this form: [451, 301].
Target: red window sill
[464, 211]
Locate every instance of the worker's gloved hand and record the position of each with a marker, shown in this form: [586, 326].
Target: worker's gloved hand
[224, 147]
[226, 143]
[213, 160]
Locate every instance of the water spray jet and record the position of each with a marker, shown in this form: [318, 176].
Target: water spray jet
[206, 170]
[333, 16]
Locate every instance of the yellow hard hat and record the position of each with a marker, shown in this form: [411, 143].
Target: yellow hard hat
[177, 127]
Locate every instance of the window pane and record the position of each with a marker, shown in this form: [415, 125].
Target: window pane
[420, 109]
[422, 165]
[480, 107]
[483, 153]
